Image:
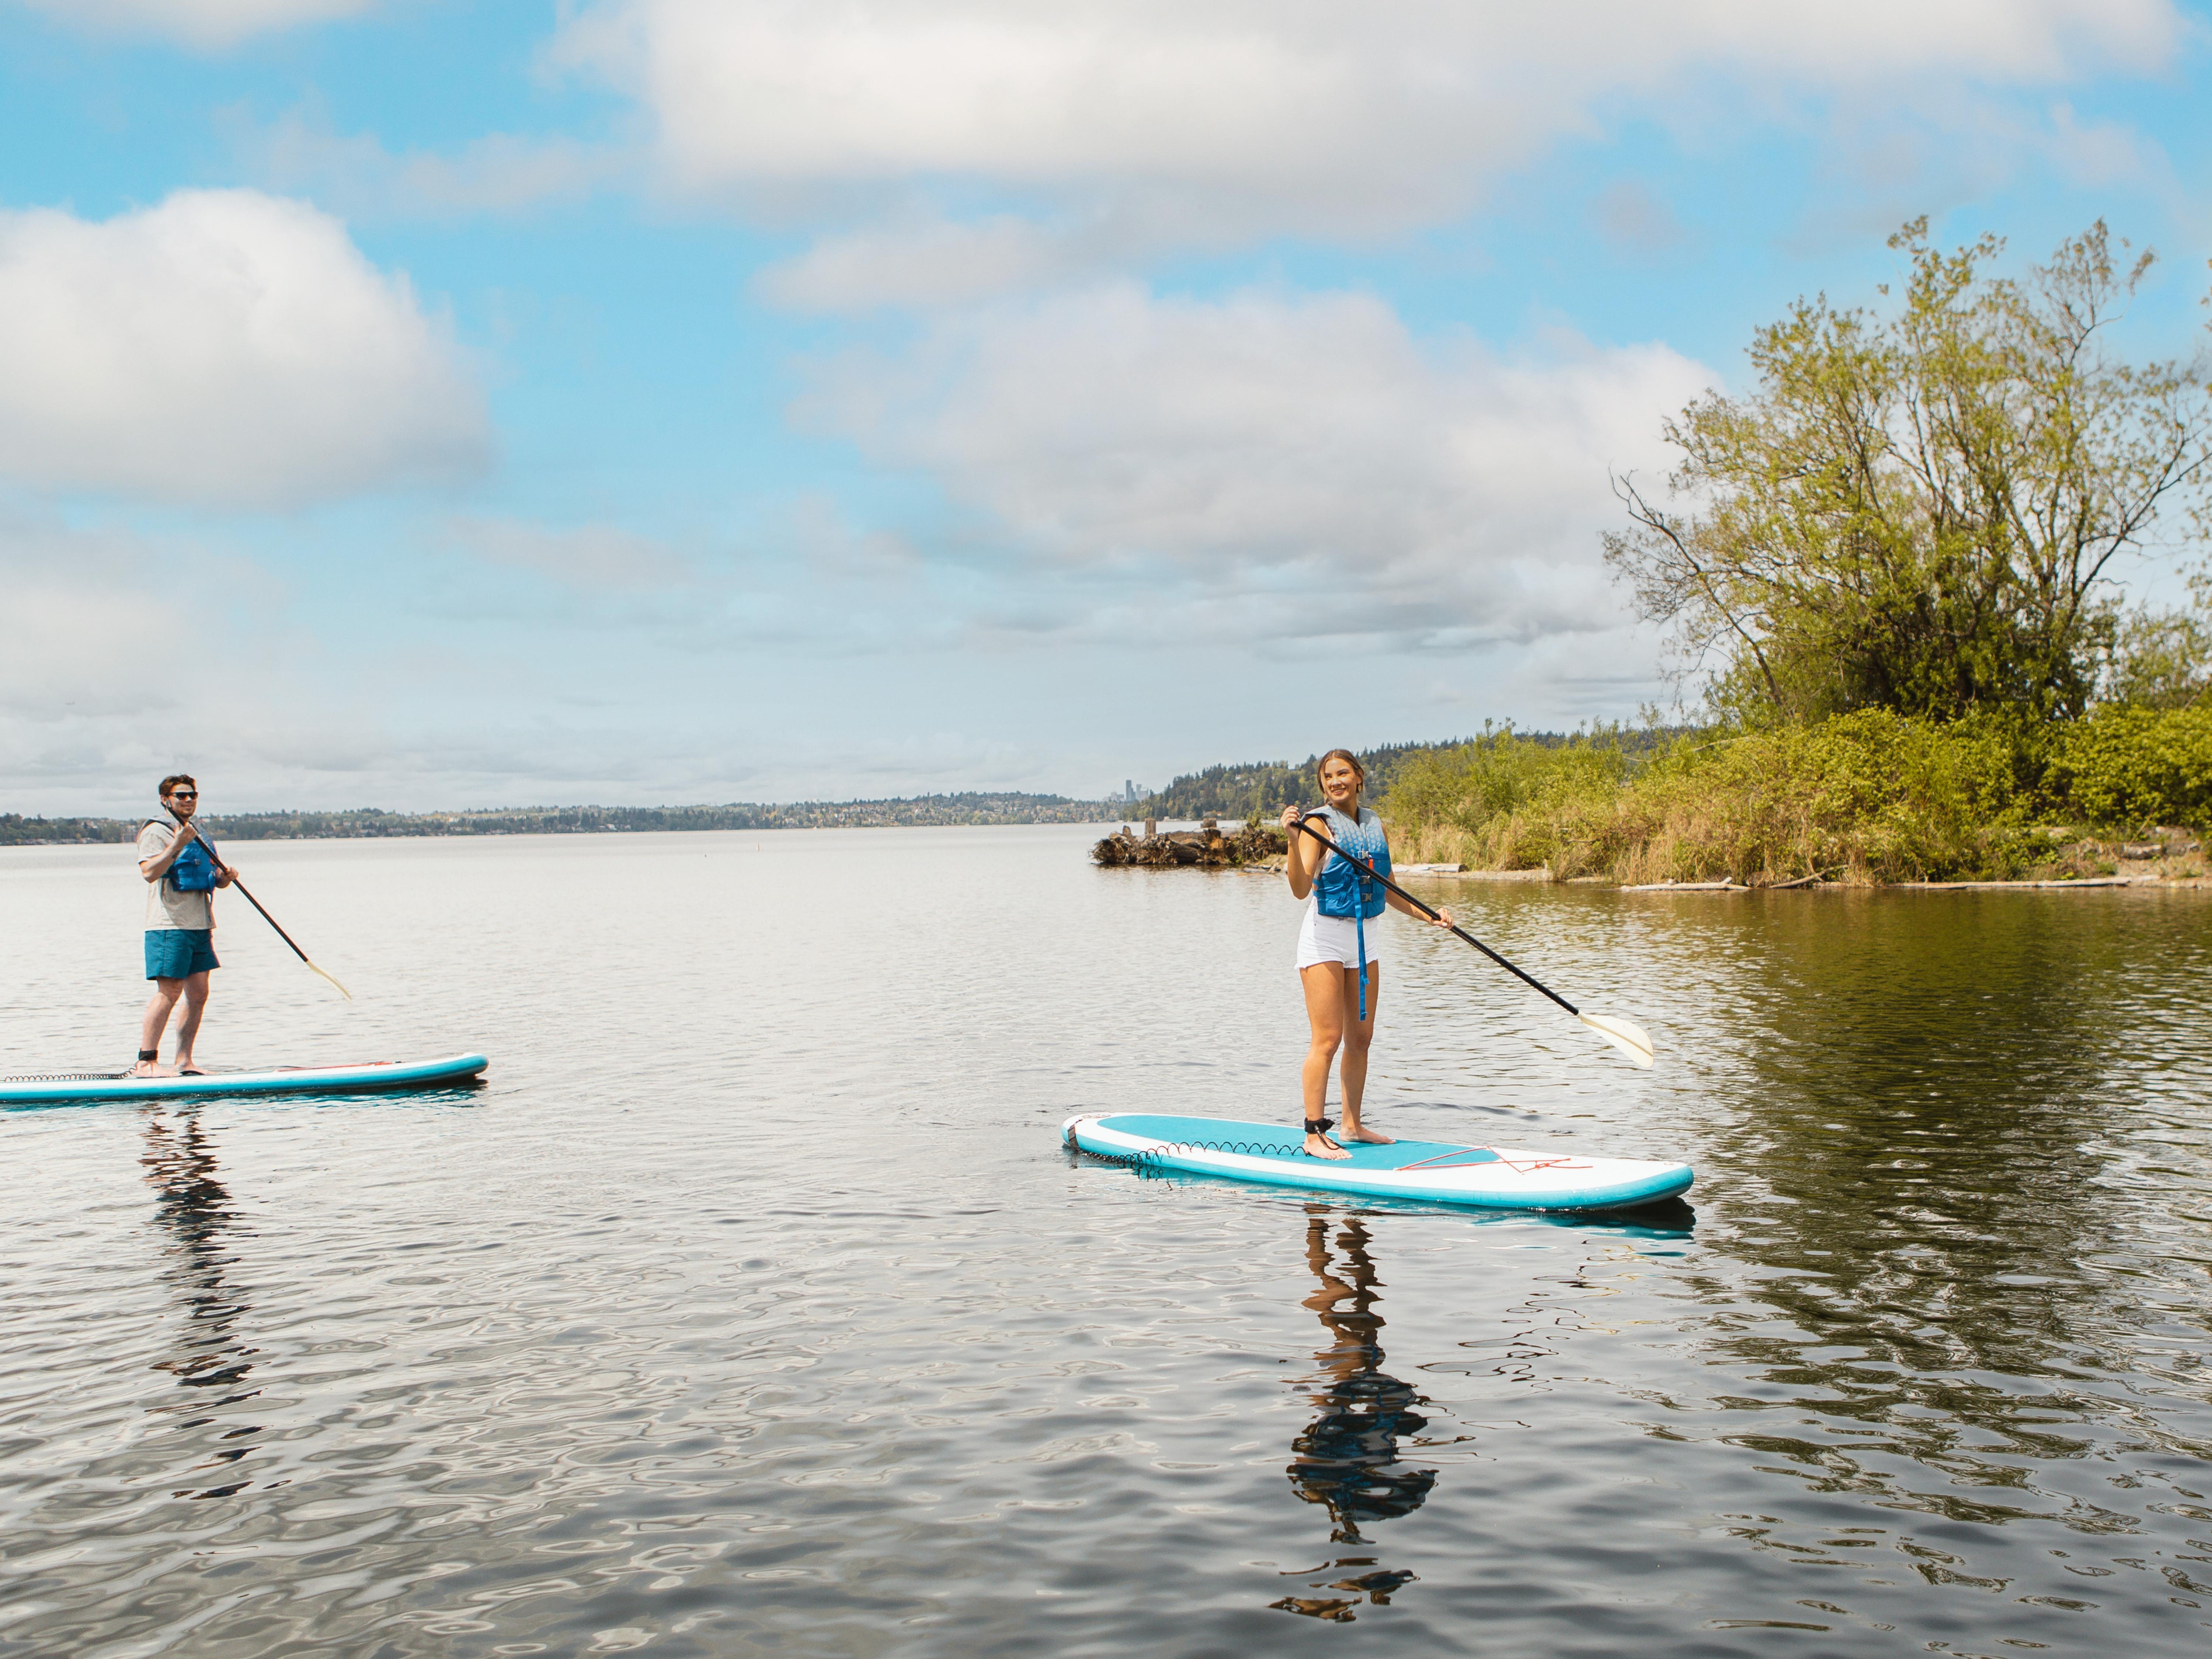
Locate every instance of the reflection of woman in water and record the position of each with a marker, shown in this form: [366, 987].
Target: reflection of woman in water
[1347, 1459]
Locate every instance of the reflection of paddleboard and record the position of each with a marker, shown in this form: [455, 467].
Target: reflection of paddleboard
[276, 1080]
[1493, 1178]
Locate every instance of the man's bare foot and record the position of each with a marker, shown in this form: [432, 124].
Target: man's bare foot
[1368, 1137]
[1322, 1147]
[152, 1068]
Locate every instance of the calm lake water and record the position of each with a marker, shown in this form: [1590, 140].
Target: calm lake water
[753, 1305]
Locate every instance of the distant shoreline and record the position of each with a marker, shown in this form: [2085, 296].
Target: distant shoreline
[924, 811]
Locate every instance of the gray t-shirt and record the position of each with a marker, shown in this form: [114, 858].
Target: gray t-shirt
[167, 908]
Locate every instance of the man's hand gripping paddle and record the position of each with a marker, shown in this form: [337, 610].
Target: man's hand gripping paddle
[272, 920]
[1624, 1035]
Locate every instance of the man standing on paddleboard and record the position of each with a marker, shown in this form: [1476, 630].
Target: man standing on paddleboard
[181, 876]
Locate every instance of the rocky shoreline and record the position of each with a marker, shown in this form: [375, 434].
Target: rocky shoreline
[1206, 847]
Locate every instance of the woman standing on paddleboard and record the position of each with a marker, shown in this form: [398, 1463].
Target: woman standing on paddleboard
[1339, 961]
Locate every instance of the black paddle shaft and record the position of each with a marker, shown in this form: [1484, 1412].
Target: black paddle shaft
[279, 926]
[1306, 824]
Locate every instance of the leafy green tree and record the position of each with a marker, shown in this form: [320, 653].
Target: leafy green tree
[1920, 510]
[2160, 659]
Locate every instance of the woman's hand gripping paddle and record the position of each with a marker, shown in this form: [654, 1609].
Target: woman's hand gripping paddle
[1624, 1035]
[273, 923]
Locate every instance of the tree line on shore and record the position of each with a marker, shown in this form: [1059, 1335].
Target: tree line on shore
[1261, 789]
[369, 821]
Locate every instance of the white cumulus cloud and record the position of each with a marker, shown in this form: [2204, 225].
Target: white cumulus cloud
[1207, 120]
[1270, 465]
[222, 348]
[206, 23]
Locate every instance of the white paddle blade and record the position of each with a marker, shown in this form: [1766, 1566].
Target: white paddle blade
[348, 995]
[1624, 1035]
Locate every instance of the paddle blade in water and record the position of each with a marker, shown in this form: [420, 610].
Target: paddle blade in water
[1624, 1035]
[348, 995]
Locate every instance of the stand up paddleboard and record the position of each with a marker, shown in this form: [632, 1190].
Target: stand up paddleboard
[1488, 1177]
[365, 1079]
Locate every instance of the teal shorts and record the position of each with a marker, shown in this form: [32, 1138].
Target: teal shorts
[178, 953]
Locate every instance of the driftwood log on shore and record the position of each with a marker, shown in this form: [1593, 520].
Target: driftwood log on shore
[1206, 847]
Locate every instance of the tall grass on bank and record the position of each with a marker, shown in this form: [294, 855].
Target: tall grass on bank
[1869, 796]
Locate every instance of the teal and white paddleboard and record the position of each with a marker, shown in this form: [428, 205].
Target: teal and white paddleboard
[1489, 1177]
[364, 1079]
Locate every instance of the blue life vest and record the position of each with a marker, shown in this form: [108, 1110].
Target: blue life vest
[1346, 889]
[1350, 889]
[194, 871]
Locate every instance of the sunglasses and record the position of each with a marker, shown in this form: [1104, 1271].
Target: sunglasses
[183, 794]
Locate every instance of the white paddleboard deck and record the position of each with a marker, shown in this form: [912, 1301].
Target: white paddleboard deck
[1489, 1178]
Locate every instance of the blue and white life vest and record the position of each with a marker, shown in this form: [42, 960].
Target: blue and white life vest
[1351, 890]
[194, 871]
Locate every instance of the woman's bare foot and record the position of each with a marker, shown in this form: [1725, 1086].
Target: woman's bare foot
[152, 1068]
[1318, 1145]
[1366, 1137]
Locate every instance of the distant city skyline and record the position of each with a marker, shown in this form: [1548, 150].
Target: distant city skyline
[647, 402]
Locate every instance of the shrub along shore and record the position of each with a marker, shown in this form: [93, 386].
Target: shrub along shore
[1862, 798]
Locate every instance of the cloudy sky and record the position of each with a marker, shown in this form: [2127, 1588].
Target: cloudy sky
[440, 403]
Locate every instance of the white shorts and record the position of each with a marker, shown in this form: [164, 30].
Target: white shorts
[1336, 938]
